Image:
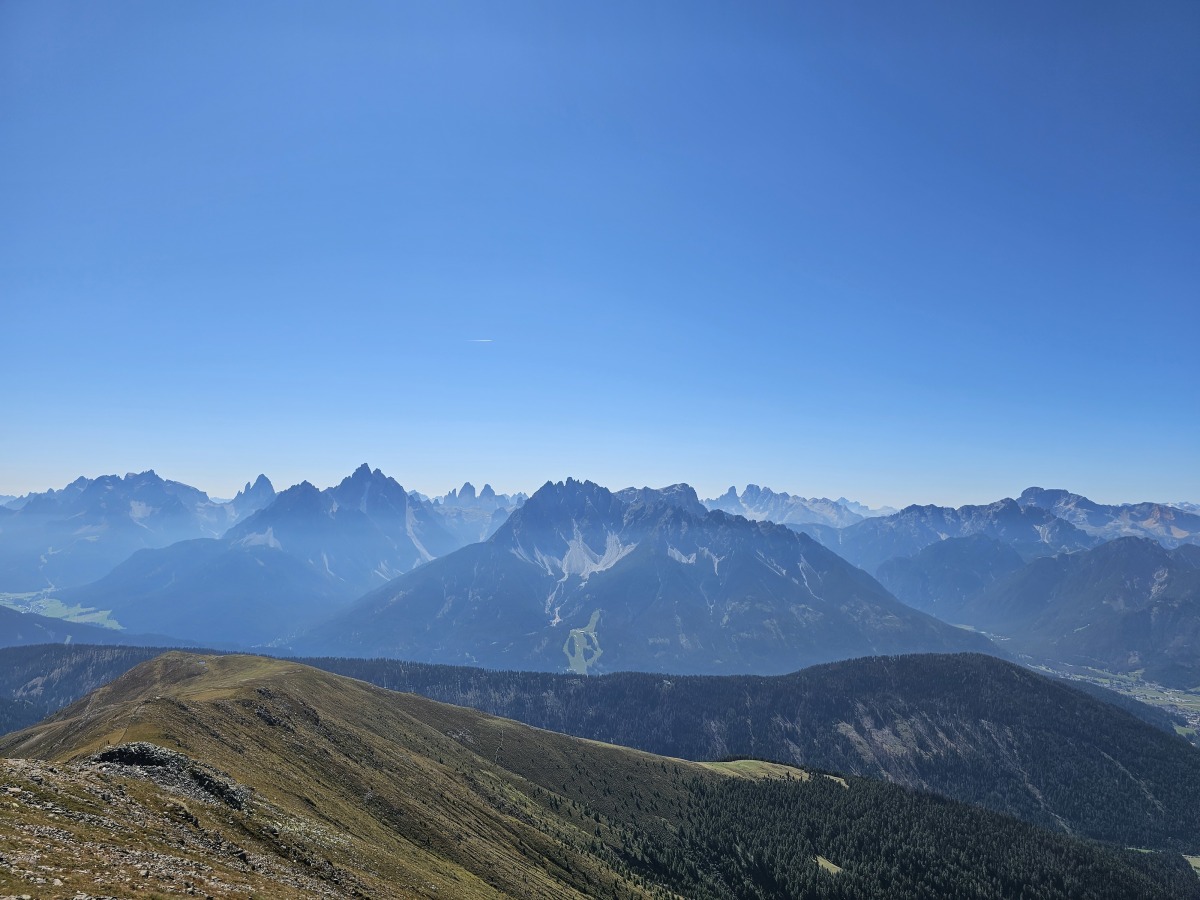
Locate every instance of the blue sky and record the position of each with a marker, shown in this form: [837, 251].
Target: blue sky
[901, 252]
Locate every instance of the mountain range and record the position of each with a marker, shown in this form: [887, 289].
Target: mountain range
[942, 576]
[1168, 525]
[67, 538]
[1127, 606]
[1029, 530]
[72, 536]
[637, 578]
[590, 580]
[716, 637]
[759, 503]
[475, 517]
[235, 776]
[286, 566]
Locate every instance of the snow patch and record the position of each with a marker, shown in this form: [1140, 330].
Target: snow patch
[772, 565]
[550, 563]
[716, 560]
[265, 539]
[581, 560]
[689, 560]
[804, 564]
[409, 518]
[139, 510]
[550, 598]
[384, 571]
[1160, 582]
[539, 559]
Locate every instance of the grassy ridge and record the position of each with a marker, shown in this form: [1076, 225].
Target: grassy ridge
[296, 782]
[970, 727]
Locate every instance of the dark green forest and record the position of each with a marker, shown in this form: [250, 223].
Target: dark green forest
[966, 726]
[40, 679]
[759, 840]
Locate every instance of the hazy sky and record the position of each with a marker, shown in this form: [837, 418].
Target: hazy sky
[897, 251]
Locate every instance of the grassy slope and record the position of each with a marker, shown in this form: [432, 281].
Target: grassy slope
[970, 727]
[418, 809]
[340, 789]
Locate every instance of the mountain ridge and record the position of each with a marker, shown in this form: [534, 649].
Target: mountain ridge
[67, 537]
[760, 503]
[1167, 524]
[237, 774]
[967, 726]
[1030, 530]
[1126, 605]
[641, 578]
[280, 569]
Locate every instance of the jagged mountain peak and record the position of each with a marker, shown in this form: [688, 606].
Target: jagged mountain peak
[304, 495]
[648, 577]
[1006, 506]
[567, 490]
[253, 497]
[1031, 530]
[1038, 496]
[362, 473]
[580, 528]
[1166, 524]
[682, 496]
[366, 485]
[71, 536]
[763, 504]
[920, 508]
[262, 482]
[147, 475]
[589, 505]
[560, 507]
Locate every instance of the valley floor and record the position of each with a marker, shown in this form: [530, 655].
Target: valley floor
[1184, 703]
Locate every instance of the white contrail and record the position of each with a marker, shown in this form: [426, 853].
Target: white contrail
[479, 340]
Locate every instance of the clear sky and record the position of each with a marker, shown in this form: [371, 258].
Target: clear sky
[904, 252]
